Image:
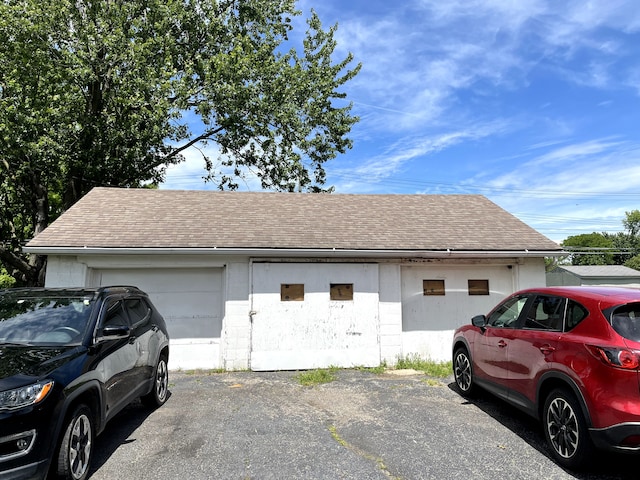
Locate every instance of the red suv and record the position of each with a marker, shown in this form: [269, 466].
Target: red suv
[569, 356]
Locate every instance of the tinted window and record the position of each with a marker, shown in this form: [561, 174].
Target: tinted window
[575, 314]
[138, 310]
[506, 315]
[115, 315]
[626, 321]
[546, 313]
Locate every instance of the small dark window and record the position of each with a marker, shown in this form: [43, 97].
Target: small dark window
[341, 291]
[433, 287]
[138, 310]
[115, 315]
[575, 314]
[478, 287]
[292, 292]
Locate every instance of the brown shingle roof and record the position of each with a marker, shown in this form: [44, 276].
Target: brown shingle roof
[142, 218]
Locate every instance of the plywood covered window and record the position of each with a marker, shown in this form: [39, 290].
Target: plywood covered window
[478, 287]
[292, 292]
[433, 287]
[341, 291]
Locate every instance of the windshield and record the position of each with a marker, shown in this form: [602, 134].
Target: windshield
[625, 320]
[43, 320]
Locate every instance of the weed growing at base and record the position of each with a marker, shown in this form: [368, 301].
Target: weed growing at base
[317, 377]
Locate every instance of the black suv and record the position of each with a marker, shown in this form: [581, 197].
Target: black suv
[70, 360]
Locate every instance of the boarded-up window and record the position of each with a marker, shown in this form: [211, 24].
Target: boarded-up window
[478, 287]
[292, 292]
[341, 291]
[433, 287]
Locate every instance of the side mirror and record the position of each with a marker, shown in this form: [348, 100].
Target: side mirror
[113, 332]
[479, 321]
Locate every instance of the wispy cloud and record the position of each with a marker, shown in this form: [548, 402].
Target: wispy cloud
[418, 56]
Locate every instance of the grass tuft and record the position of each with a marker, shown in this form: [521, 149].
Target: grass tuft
[429, 367]
[380, 369]
[317, 377]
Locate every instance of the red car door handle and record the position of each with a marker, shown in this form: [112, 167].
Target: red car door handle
[547, 349]
[502, 344]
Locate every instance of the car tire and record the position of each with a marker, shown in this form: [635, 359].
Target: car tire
[463, 372]
[566, 430]
[76, 448]
[160, 390]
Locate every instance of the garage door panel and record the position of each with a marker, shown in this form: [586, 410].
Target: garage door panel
[190, 300]
[315, 331]
[456, 307]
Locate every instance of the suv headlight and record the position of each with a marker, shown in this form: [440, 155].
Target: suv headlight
[25, 396]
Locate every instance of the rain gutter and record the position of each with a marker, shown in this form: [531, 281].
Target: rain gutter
[293, 252]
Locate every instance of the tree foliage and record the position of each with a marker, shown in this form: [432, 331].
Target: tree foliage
[622, 248]
[106, 92]
[595, 249]
[633, 262]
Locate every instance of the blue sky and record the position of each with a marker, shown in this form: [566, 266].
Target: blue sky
[534, 104]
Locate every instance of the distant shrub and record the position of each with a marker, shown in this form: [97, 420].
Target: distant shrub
[7, 281]
[633, 262]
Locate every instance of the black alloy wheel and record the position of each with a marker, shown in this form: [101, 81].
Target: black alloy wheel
[160, 391]
[76, 448]
[566, 430]
[463, 372]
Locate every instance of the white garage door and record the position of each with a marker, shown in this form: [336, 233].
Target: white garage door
[191, 302]
[428, 321]
[312, 330]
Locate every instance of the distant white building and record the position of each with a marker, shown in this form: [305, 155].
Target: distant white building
[272, 281]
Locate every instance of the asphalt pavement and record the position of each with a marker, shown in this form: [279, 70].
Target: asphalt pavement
[246, 425]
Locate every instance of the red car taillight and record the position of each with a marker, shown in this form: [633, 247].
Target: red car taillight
[616, 357]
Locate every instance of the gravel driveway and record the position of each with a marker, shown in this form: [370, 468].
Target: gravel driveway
[362, 426]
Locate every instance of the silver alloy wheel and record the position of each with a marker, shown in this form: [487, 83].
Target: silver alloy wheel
[562, 427]
[80, 446]
[462, 371]
[162, 380]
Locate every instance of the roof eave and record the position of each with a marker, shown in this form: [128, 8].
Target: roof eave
[292, 252]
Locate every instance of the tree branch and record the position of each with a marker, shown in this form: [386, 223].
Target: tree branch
[206, 135]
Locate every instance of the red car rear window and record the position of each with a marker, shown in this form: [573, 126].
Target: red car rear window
[625, 320]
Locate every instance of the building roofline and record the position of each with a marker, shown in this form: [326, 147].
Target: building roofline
[292, 252]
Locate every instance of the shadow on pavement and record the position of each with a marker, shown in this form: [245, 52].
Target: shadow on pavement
[607, 465]
[118, 432]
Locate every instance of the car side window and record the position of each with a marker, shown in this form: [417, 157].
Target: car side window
[575, 314]
[546, 313]
[115, 315]
[507, 314]
[139, 311]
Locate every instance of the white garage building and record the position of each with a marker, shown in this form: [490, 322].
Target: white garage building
[273, 281]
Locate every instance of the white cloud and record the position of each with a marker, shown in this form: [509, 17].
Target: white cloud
[583, 169]
[191, 173]
[418, 56]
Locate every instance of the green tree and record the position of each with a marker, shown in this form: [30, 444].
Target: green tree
[6, 280]
[631, 223]
[624, 245]
[633, 262]
[590, 249]
[105, 92]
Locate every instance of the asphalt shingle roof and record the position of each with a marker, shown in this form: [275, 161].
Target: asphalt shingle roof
[601, 270]
[143, 218]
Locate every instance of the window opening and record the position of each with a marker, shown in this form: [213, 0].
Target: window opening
[478, 287]
[292, 292]
[433, 287]
[341, 291]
